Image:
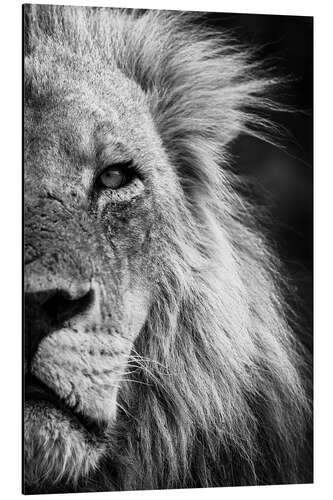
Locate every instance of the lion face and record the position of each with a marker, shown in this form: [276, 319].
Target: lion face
[95, 177]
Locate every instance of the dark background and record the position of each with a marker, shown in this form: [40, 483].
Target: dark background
[282, 179]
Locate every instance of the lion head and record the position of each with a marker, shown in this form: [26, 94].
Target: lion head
[156, 343]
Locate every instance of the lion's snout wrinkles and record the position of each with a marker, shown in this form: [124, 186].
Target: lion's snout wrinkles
[58, 275]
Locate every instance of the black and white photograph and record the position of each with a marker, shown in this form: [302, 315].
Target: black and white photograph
[167, 236]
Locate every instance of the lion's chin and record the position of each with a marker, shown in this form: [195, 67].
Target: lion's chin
[57, 448]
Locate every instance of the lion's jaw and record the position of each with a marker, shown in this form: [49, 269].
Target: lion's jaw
[55, 449]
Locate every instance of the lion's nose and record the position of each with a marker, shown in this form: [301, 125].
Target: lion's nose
[61, 305]
[48, 308]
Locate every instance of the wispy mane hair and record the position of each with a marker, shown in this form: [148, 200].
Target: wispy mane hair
[218, 397]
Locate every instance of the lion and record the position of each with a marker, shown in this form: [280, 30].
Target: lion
[158, 349]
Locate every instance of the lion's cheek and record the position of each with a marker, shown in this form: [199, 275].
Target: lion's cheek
[56, 449]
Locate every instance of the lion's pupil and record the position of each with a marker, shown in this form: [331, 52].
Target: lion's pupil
[112, 178]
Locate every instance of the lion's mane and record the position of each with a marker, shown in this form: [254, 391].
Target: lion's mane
[216, 395]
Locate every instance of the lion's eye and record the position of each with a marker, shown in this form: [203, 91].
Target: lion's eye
[114, 177]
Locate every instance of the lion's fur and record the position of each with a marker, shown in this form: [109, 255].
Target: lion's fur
[218, 397]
